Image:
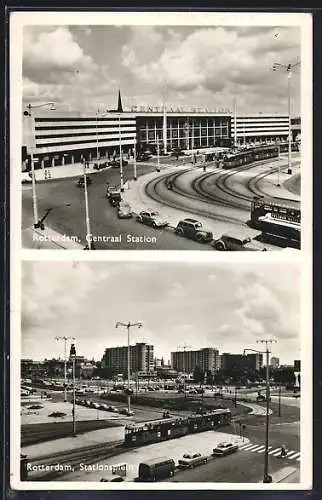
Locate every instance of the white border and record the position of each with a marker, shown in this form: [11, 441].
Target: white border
[303, 258]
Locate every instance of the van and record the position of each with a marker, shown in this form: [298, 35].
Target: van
[156, 468]
[111, 478]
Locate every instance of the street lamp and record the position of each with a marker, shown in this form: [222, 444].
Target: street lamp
[65, 340]
[288, 68]
[37, 223]
[72, 355]
[128, 327]
[184, 347]
[267, 478]
[89, 245]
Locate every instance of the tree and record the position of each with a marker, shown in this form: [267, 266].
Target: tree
[198, 374]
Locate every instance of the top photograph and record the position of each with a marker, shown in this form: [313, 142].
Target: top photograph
[162, 136]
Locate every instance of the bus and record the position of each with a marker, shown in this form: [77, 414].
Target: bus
[169, 428]
[280, 222]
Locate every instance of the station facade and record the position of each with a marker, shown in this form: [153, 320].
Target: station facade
[57, 138]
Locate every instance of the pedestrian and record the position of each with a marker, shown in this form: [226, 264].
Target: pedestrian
[283, 452]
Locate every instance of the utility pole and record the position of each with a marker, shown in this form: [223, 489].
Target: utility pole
[128, 326]
[267, 478]
[65, 340]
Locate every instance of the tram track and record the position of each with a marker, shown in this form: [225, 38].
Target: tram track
[154, 187]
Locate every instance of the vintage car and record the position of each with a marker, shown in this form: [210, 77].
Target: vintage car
[152, 218]
[124, 210]
[225, 448]
[240, 239]
[190, 460]
[193, 229]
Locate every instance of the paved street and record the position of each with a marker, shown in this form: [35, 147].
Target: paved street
[220, 199]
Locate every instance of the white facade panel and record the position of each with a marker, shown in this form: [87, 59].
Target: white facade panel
[90, 138]
[58, 148]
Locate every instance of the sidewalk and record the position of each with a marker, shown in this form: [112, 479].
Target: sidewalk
[269, 184]
[60, 172]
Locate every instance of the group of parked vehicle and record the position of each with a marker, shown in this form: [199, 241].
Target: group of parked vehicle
[102, 406]
[163, 467]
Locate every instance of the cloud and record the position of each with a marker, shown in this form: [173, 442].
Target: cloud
[219, 60]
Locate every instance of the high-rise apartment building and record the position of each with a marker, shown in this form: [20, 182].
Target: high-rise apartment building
[206, 358]
[141, 358]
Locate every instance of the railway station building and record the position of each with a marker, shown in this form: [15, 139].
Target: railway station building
[58, 138]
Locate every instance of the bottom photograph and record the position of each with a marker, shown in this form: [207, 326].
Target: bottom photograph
[185, 372]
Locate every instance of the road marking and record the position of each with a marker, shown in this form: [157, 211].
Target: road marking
[261, 449]
[255, 448]
[244, 446]
[250, 446]
[274, 451]
[293, 454]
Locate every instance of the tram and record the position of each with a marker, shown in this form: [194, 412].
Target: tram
[174, 427]
[249, 156]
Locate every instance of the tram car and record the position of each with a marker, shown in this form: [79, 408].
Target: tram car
[249, 156]
[170, 428]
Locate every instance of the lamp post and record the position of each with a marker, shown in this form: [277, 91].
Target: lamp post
[121, 157]
[278, 166]
[65, 340]
[128, 327]
[97, 150]
[89, 245]
[120, 146]
[279, 399]
[72, 355]
[134, 161]
[184, 347]
[37, 223]
[158, 156]
[266, 477]
[288, 68]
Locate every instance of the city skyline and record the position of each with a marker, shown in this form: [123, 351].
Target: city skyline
[226, 306]
[81, 67]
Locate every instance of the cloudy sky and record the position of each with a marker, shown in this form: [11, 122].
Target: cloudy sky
[200, 304]
[82, 67]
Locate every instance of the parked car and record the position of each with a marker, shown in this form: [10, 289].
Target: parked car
[116, 163]
[143, 157]
[190, 460]
[113, 409]
[111, 478]
[225, 448]
[193, 229]
[125, 411]
[95, 405]
[156, 468]
[239, 239]
[103, 406]
[124, 210]
[100, 166]
[81, 181]
[152, 218]
[113, 194]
